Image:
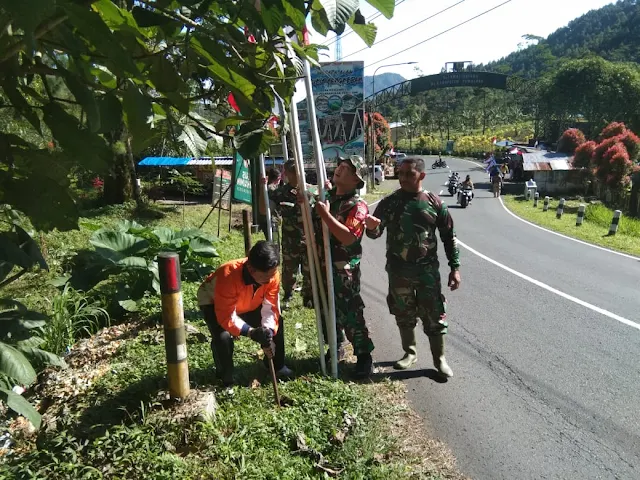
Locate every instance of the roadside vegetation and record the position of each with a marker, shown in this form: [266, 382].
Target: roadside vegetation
[107, 413]
[595, 228]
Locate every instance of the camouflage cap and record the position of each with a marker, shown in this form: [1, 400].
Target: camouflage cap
[357, 163]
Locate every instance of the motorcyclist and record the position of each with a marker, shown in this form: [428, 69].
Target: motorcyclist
[467, 183]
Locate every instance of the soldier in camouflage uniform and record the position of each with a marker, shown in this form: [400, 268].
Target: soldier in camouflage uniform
[411, 216]
[294, 246]
[345, 214]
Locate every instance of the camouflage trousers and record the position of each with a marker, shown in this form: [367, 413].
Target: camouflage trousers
[420, 296]
[294, 255]
[350, 310]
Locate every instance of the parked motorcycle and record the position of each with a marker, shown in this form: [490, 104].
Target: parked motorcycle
[452, 183]
[464, 196]
[439, 164]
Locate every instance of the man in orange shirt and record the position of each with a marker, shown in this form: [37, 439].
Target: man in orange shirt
[241, 299]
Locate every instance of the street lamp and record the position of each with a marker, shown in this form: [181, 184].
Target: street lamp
[372, 138]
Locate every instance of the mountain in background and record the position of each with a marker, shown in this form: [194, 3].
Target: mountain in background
[611, 32]
[383, 80]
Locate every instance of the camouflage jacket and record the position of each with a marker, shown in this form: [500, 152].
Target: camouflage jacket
[350, 210]
[411, 220]
[286, 204]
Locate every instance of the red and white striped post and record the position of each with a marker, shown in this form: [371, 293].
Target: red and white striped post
[175, 338]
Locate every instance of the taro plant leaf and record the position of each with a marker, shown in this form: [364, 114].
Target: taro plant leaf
[203, 247]
[127, 225]
[129, 305]
[132, 262]
[42, 356]
[30, 247]
[118, 245]
[15, 365]
[164, 234]
[11, 253]
[30, 342]
[339, 11]
[16, 320]
[20, 405]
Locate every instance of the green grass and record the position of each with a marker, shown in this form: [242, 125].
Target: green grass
[120, 426]
[594, 230]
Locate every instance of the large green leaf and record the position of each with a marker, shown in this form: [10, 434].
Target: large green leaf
[86, 98]
[30, 247]
[10, 251]
[38, 355]
[117, 245]
[75, 139]
[203, 247]
[47, 204]
[295, 11]
[10, 89]
[222, 69]
[319, 22]
[133, 262]
[28, 14]
[253, 143]
[385, 7]
[163, 74]
[149, 18]
[17, 321]
[110, 110]
[193, 141]
[92, 26]
[138, 114]
[366, 31]
[15, 365]
[272, 15]
[339, 11]
[20, 405]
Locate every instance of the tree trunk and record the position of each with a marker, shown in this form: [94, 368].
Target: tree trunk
[118, 187]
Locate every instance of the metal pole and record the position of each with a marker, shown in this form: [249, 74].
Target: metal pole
[317, 285]
[265, 192]
[320, 166]
[175, 339]
[246, 231]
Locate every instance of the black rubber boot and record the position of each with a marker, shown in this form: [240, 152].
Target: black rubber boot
[364, 366]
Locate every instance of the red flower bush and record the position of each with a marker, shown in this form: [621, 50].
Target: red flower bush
[632, 144]
[570, 140]
[97, 183]
[584, 154]
[613, 130]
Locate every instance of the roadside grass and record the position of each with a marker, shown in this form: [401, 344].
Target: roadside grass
[108, 414]
[596, 224]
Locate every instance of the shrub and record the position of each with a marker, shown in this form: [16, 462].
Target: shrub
[570, 140]
[584, 155]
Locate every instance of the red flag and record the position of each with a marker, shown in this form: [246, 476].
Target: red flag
[250, 37]
[305, 36]
[232, 101]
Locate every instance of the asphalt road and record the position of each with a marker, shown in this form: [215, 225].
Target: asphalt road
[545, 386]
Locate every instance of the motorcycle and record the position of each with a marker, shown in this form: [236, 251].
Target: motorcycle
[454, 180]
[464, 197]
[439, 164]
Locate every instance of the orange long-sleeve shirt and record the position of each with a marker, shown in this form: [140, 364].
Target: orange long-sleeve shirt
[231, 291]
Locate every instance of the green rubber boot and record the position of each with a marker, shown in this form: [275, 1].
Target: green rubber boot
[408, 337]
[436, 342]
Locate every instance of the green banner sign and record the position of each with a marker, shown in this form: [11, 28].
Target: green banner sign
[242, 177]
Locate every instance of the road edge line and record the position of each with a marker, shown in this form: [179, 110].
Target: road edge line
[551, 289]
[626, 255]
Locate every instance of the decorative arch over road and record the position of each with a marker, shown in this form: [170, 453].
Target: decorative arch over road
[452, 80]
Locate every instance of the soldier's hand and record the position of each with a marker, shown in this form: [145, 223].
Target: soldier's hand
[322, 208]
[454, 280]
[327, 185]
[261, 335]
[372, 222]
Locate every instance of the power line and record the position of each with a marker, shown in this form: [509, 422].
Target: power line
[439, 34]
[408, 28]
[372, 17]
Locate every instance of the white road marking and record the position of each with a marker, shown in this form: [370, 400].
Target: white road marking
[565, 236]
[566, 296]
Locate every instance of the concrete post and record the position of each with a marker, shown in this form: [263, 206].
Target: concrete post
[545, 206]
[560, 210]
[175, 341]
[536, 197]
[580, 218]
[615, 222]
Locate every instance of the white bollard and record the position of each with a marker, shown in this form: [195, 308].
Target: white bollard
[580, 218]
[527, 194]
[615, 222]
[560, 210]
[545, 206]
[535, 200]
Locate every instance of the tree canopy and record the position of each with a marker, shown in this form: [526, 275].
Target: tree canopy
[93, 82]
